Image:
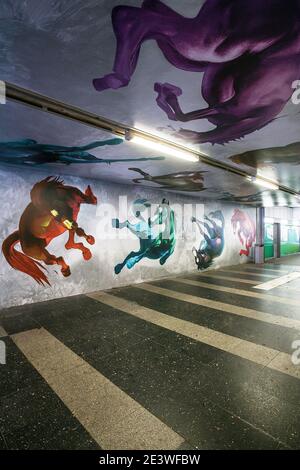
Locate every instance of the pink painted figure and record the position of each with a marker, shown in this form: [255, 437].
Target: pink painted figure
[244, 226]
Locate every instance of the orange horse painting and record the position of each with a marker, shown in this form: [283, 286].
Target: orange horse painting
[52, 211]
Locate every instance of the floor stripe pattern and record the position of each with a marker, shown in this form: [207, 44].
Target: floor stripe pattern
[278, 281]
[201, 361]
[230, 308]
[96, 402]
[251, 351]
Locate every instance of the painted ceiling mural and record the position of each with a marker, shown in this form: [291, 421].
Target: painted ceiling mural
[221, 75]
[30, 152]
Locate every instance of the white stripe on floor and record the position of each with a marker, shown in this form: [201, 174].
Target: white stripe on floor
[279, 281]
[226, 278]
[261, 355]
[244, 293]
[246, 273]
[110, 416]
[223, 307]
[2, 332]
[261, 267]
[237, 279]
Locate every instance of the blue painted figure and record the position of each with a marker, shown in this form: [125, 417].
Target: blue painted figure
[156, 235]
[212, 244]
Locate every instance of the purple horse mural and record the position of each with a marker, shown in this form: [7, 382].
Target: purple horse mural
[247, 50]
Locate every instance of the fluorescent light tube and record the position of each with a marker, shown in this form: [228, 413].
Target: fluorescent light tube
[265, 183]
[164, 148]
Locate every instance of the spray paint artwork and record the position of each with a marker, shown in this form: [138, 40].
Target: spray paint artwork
[52, 211]
[213, 242]
[245, 229]
[247, 51]
[182, 181]
[261, 158]
[245, 199]
[30, 152]
[156, 235]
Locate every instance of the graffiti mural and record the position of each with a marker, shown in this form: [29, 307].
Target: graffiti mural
[245, 229]
[245, 50]
[145, 245]
[213, 242]
[269, 156]
[30, 152]
[221, 69]
[183, 181]
[246, 199]
[156, 235]
[53, 210]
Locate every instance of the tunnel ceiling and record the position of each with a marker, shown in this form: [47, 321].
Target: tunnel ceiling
[201, 74]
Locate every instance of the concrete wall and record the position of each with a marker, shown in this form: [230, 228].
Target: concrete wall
[112, 245]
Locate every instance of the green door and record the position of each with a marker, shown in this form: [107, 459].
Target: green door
[289, 240]
[269, 245]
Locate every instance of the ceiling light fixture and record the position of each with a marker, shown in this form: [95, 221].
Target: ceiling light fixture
[265, 183]
[58, 108]
[161, 147]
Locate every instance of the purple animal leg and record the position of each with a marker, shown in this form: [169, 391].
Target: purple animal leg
[129, 38]
[132, 26]
[167, 100]
[223, 134]
[167, 93]
[249, 64]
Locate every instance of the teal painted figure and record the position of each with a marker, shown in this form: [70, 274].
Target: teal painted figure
[156, 235]
[30, 152]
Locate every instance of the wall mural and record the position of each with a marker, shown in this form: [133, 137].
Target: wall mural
[52, 211]
[30, 152]
[182, 181]
[156, 235]
[269, 156]
[245, 229]
[246, 53]
[213, 241]
[156, 241]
